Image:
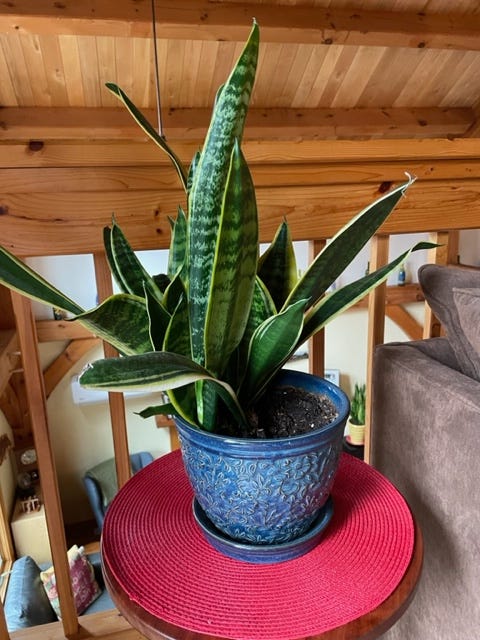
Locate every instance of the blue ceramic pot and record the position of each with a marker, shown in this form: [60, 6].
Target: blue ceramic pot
[266, 491]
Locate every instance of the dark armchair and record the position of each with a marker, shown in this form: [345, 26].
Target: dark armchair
[101, 483]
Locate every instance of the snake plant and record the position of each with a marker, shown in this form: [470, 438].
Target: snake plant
[215, 329]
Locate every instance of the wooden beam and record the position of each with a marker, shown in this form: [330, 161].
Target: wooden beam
[49, 330]
[9, 356]
[69, 223]
[109, 123]
[115, 153]
[203, 20]
[65, 361]
[163, 177]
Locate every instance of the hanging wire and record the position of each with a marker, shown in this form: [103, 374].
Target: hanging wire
[157, 75]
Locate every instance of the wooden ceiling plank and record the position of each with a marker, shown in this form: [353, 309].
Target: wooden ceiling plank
[114, 123]
[70, 57]
[273, 152]
[18, 69]
[54, 72]
[35, 64]
[161, 178]
[198, 20]
[43, 224]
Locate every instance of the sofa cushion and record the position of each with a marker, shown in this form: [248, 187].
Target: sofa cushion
[26, 603]
[450, 292]
[84, 585]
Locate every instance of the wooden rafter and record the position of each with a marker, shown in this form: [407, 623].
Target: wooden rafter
[109, 123]
[203, 20]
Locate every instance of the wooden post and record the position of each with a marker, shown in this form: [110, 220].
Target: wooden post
[376, 326]
[316, 344]
[34, 386]
[115, 400]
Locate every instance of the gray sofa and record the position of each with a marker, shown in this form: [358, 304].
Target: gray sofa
[426, 423]
[26, 602]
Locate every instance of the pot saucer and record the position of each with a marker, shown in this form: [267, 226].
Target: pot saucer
[261, 553]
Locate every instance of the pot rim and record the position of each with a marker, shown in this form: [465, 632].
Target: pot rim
[308, 381]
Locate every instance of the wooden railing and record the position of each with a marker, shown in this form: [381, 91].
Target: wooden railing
[317, 196]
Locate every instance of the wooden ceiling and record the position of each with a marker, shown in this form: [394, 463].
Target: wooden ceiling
[329, 69]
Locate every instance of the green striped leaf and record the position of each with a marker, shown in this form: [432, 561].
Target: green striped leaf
[149, 130]
[177, 340]
[158, 320]
[234, 268]
[122, 321]
[335, 303]
[339, 253]
[107, 243]
[178, 244]
[206, 196]
[272, 344]
[277, 266]
[158, 370]
[18, 276]
[129, 267]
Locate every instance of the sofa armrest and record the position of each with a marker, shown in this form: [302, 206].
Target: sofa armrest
[425, 439]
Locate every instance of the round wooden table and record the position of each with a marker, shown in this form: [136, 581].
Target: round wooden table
[169, 583]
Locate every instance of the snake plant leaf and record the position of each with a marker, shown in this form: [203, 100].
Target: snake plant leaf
[177, 340]
[206, 196]
[107, 243]
[158, 320]
[345, 245]
[128, 266]
[18, 276]
[340, 300]
[191, 171]
[122, 321]
[178, 244]
[149, 130]
[173, 293]
[277, 266]
[262, 308]
[165, 409]
[160, 370]
[271, 345]
[234, 268]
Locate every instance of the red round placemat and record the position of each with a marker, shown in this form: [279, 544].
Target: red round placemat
[157, 554]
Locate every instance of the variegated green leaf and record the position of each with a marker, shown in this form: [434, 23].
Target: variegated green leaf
[107, 243]
[335, 303]
[234, 267]
[271, 345]
[339, 253]
[122, 321]
[149, 130]
[158, 320]
[18, 276]
[191, 171]
[262, 308]
[277, 266]
[158, 370]
[206, 196]
[178, 244]
[177, 340]
[129, 267]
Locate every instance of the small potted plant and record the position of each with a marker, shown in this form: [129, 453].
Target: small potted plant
[356, 420]
[217, 329]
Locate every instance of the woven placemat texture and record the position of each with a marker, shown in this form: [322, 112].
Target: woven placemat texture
[158, 555]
